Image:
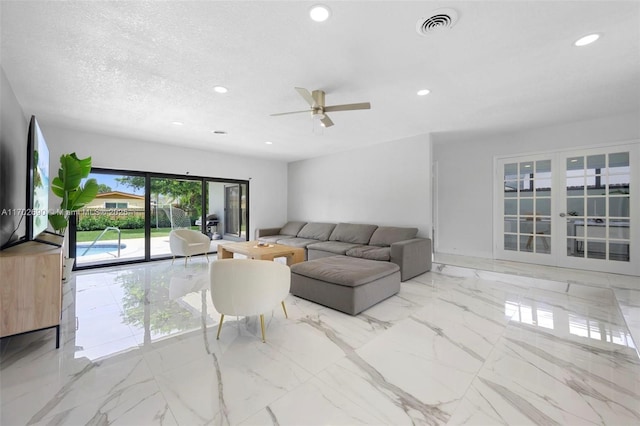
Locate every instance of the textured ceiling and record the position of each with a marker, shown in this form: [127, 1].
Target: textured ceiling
[131, 68]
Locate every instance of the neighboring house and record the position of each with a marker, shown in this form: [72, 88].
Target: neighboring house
[114, 203]
[117, 200]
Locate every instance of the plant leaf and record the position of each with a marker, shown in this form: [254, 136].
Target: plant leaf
[71, 172]
[83, 195]
[58, 222]
[57, 187]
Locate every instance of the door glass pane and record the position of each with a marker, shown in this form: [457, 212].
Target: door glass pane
[619, 206]
[527, 192]
[543, 226]
[595, 163]
[618, 184]
[110, 229]
[526, 169]
[511, 171]
[575, 163]
[232, 210]
[602, 214]
[543, 206]
[619, 229]
[214, 218]
[511, 188]
[235, 215]
[575, 206]
[510, 242]
[543, 245]
[619, 251]
[575, 186]
[510, 207]
[175, 204]
[543, 187]
[596, 206]
[596, 249]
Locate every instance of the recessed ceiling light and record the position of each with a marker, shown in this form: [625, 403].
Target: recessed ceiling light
[269, 143]
[220, 89]
[177, 123]
[319, 13]
[588, 39]
[423, 92]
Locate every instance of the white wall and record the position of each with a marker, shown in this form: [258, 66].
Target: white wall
[268, 178]
[384, 184]
[464, 162]
[14, 127]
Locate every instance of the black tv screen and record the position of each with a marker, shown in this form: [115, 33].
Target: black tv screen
[37, 182]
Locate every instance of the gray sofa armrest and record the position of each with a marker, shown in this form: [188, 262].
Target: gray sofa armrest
[264, 232]
[412, 256]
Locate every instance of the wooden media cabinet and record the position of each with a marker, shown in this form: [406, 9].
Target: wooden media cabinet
[30, 288]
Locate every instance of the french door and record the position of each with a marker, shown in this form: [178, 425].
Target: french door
[576, 209]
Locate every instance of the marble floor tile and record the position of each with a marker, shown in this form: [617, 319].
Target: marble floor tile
[472, 342]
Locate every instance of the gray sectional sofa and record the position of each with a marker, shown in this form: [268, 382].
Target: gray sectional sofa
[350, 267]
[398, 245]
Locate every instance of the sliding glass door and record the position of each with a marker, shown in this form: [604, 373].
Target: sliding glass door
[176, 203]
[235, 210]
[111, 229]
[134, 213]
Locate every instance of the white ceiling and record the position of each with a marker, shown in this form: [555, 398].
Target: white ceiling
[131, 68]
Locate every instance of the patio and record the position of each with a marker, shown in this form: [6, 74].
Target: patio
[132, 249]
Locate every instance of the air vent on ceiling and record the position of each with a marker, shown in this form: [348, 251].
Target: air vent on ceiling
[438, 20]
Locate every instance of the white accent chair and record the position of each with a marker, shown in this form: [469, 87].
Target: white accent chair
[244, 287]
[187, 242]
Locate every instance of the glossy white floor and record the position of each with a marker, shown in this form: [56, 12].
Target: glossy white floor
[458, 345]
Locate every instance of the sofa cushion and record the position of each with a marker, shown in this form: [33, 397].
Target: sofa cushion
[272, 238]
[352, 233]
[296, 242]
[343, 270]
[386, 235]
[317, 231]
[336, 247]
[292, 228]
[370, 252]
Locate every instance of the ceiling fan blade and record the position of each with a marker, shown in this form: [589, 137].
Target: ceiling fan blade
[347, 107]
[306, 95]
[287, 113]
[326, 121]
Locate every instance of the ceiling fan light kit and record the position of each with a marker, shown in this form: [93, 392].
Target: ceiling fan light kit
[318, 110]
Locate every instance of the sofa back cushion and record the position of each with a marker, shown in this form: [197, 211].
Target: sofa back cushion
[352, 233]
[292, 228]
[316, 231]
[386, 235]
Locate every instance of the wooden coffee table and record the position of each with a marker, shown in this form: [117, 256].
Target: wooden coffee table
[252, 251]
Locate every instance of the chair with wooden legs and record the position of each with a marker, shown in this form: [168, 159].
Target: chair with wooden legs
[245, 287]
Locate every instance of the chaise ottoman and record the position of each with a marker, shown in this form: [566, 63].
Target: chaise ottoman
[347, 284]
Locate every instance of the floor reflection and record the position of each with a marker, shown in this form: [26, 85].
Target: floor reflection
[124, 308]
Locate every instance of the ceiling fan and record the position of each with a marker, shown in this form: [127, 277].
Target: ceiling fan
[318, 109]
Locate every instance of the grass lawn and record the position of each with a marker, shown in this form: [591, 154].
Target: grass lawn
[125, 234]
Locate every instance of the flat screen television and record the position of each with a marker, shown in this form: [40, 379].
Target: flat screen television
[37, 203]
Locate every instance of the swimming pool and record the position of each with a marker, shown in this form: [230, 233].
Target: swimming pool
[98, 248]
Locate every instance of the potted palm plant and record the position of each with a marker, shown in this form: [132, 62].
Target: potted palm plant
[74, 195]
[68, 186]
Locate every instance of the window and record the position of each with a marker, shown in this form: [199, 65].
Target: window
[116, 205]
